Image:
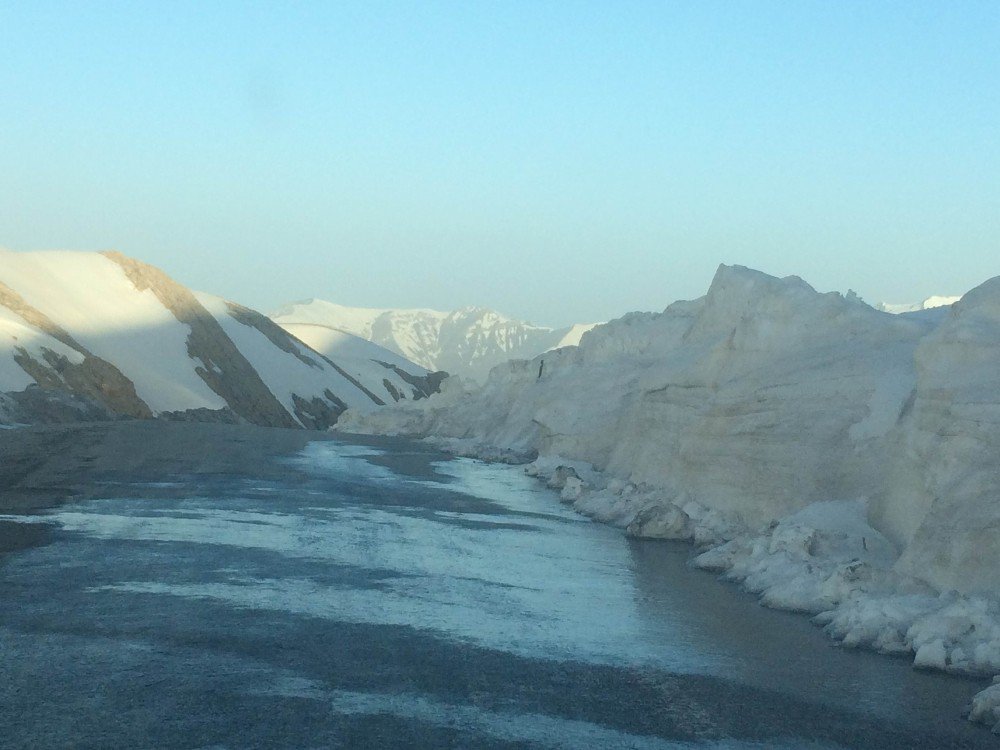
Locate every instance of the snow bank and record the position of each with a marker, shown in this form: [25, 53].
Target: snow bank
[942, 504]
[834, 459]
[756, 400]
[986, 706]
[825, 560]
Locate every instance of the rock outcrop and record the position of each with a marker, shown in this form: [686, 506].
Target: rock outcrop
[124, 338]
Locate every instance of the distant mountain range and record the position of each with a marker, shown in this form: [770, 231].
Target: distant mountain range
[467, 342]
[93, 335]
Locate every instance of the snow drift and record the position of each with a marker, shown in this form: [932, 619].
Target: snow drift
[115, 336]
[833, 458]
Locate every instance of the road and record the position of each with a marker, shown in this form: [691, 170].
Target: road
[366, 597]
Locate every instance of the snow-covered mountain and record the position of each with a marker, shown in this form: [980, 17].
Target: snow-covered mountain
[101, 334]
[836, 459]
[467, 342]
[931, 303]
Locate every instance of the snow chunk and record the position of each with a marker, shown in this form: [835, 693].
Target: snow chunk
[986, 706]
[808, 562]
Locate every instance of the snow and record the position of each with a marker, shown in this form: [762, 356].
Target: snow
[930, 303]
[831, 458]
[340, 347]
[466, 342]
[825, 560]
[944, 505]
[742, 398]
[16, 334]
[368, 363]
[90, 297]
[986, 706]
[411, 334]
[573, 336]
[284, 374]
[94, 301]
[354, 320]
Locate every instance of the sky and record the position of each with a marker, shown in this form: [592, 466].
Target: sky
[560, 162]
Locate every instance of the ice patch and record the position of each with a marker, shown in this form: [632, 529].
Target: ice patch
[539, 730]
[343, 459]
[497, 483]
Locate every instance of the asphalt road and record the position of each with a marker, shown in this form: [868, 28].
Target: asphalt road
[361, 597]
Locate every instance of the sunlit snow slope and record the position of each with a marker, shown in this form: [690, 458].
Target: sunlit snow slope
[466, 342]
[121, 336]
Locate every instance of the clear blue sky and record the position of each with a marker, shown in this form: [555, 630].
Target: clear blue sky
[557, 161]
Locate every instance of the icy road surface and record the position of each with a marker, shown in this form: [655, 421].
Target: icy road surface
[379, 600]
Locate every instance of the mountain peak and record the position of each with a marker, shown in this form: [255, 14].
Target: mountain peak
[121, 336]
[468, 341]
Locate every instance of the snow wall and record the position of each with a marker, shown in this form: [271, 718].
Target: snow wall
[835, 459]
[764, 397]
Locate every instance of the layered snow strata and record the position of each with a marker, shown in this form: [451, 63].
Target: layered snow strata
[942, 503]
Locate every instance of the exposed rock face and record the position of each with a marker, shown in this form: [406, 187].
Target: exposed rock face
[122, 334]
[404, 379]
[212, 416]
[224, 368]
[93, 377]
[271, 330]
[423, 385]
[317, 413]
[347, 376]
[36, 404]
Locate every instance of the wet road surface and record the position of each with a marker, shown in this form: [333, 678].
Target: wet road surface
[376, 599]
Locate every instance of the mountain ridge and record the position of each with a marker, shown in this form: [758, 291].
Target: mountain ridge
[468, 341]
[123, 338]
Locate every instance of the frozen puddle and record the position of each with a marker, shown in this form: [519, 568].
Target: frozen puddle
[469, 608]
